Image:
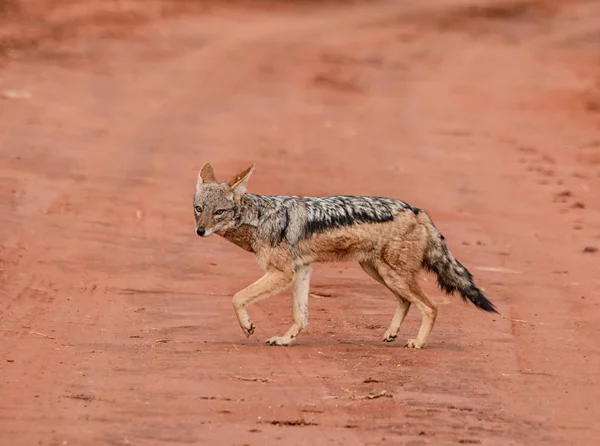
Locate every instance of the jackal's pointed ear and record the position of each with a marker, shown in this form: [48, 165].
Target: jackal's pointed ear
[239, 183]
[205, 175]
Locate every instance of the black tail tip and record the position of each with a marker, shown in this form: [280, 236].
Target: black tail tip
[475, 296]
[488, 307]
[484, 304]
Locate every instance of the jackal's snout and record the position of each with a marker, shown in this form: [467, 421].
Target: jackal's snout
[200, 231]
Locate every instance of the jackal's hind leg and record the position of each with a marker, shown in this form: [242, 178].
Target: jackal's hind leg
[406, 285]
[300, 287]
[429, 311]
[402, 306]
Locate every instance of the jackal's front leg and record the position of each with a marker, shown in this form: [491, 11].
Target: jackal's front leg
[300, 287]
[271, 283]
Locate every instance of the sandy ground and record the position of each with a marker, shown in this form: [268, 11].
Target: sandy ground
[116, 325]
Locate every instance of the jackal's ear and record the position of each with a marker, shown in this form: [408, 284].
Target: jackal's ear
[239, 183]
[205, 175]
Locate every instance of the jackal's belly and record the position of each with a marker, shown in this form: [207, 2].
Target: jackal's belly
[344, 244]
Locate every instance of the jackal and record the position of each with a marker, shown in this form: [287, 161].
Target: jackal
[390, 239]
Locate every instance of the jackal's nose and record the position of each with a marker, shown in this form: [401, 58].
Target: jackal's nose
[200, 231]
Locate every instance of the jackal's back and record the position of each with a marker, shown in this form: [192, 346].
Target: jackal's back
[292, 219]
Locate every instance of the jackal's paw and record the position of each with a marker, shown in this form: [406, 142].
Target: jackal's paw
[279, 340]
[412, 343]
[389, 337]
[249, 330]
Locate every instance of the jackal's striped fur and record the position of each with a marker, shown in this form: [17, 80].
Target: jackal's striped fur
[390, 239]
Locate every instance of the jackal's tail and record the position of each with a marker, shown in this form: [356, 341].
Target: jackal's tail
[451, 274]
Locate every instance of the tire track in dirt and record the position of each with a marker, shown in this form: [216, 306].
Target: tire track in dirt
[531, 316]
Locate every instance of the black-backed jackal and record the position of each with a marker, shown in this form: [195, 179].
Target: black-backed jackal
[391, 240]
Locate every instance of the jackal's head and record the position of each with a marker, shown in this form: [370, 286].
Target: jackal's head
[216, 205]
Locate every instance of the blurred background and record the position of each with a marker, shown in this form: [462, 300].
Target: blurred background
[116, 324]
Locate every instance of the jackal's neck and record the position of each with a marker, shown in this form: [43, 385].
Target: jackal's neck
[250, 211]
[244, 234]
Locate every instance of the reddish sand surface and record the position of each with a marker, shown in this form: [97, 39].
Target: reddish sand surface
[116, 323]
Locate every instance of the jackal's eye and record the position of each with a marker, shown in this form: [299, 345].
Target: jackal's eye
[198, 209]
[219, 211]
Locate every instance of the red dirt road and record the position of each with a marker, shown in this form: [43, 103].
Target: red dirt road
[116, 325]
